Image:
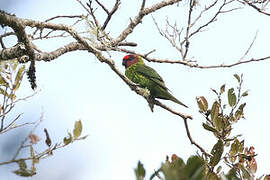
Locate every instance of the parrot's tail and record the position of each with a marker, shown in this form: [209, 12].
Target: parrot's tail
[178, 102]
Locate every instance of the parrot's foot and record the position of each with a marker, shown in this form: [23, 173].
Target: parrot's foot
[151, 104]
[147, 95]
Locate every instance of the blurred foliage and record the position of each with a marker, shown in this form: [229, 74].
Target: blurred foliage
[229, 150]
[35, 156]
[11, 75]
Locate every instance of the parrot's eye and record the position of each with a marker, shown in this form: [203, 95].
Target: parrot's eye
[130, 58]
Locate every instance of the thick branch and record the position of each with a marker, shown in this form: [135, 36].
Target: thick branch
[19, 29]
[14, 52]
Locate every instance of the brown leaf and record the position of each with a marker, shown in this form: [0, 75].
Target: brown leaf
[34, 138]
[48, 140]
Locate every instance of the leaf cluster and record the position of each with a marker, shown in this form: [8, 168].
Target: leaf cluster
[229, 150]
[36, 156]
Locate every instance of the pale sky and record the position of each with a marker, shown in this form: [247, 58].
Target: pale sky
[122, 130]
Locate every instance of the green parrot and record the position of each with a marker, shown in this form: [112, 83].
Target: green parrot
[147, 77]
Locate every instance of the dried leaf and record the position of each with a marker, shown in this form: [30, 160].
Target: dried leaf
[222, 89]
[202, 103]
[48, 140]
[34, 138]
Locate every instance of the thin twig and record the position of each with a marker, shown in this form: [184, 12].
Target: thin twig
[250, 46]
[183, 116]
[191, 6]
[92, 13]
[110, 14]
[63, 16]
[27, 137]
[255, 7]
[192, 141]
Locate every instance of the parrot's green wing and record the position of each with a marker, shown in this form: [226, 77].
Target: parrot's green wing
[150, 74]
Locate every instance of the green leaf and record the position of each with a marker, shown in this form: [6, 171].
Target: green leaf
[212, 176]
[3, 81]
[235, 147]
[24, 173]
[245, 93]
[217, 152]
[232, 175]
[239, 113]
[2, 91]
[245, 172]
[218, 122]
[215, 110]
[237, 77]
[67, 140]
[22, 164]
[32, 152]
[241, 148]
[173, 170]
[19, 78]
[219, 169]
[14, 65]
[209, 128]
[202, 103]
[195, 168]
[77, 129]
[231, 97]
[140, 171]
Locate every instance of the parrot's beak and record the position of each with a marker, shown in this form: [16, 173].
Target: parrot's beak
[124, 63]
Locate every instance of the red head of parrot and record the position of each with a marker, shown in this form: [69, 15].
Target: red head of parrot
[130, 59]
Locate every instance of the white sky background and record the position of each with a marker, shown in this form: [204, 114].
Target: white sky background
[121, 128]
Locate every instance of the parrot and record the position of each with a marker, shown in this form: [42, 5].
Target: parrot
[147, 77]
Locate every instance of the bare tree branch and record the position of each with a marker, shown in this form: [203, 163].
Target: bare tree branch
[192, 141]
[133, 23]
[251, 4]
[110, 14]
[250, 46]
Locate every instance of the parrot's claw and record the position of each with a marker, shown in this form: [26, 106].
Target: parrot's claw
[147, 95]
[151, 103]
